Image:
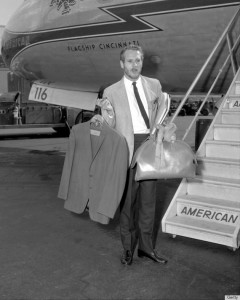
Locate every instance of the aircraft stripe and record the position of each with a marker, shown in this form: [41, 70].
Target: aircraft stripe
[128, 20]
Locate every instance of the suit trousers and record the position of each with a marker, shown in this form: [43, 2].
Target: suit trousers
[137, 209]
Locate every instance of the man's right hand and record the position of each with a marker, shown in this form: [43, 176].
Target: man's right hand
[106, 106]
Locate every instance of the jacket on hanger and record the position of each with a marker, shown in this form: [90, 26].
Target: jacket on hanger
[94, 171]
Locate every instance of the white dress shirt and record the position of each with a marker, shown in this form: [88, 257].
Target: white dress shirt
[139, 125]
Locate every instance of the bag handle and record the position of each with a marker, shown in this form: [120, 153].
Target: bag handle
[164, 133]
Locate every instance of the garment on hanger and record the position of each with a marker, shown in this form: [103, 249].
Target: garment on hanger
[94, 171]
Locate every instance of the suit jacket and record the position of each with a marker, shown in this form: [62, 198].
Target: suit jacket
[122, 120]
[94, 171]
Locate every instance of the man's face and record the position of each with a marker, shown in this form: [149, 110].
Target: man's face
[132, 65]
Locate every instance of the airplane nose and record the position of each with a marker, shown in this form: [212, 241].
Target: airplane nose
[14, 37]
[22, 26]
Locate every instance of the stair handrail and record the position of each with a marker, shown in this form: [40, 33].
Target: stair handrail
[211, 88]
[231, 49]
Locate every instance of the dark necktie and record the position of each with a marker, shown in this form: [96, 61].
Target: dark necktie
[141, 107]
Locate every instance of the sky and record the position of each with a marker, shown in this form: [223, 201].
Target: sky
[7, 8]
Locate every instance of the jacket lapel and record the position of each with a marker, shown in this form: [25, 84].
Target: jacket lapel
[150, 97]
[97, 143]
[123, 98]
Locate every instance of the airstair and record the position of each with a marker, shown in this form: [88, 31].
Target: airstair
[207, 207]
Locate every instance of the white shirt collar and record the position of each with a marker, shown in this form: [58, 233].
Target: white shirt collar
[129, 82]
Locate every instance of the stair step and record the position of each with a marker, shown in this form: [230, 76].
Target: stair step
[214, 187]
[217, 180]
[197, 207]
[230, 116]
[201, 230]
[210, 202]
[233, 97]
[237, 87]
[226, 132]
[223, 229]
[232, 102]
[223, 149]
[224, 168]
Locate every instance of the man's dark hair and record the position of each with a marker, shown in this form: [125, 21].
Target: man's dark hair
[131, 47]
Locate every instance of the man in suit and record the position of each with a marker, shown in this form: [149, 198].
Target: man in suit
[121, 110]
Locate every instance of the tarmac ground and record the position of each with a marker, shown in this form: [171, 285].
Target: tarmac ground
[46, 252]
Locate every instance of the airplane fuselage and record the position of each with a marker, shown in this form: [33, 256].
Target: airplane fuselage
[76, 44]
